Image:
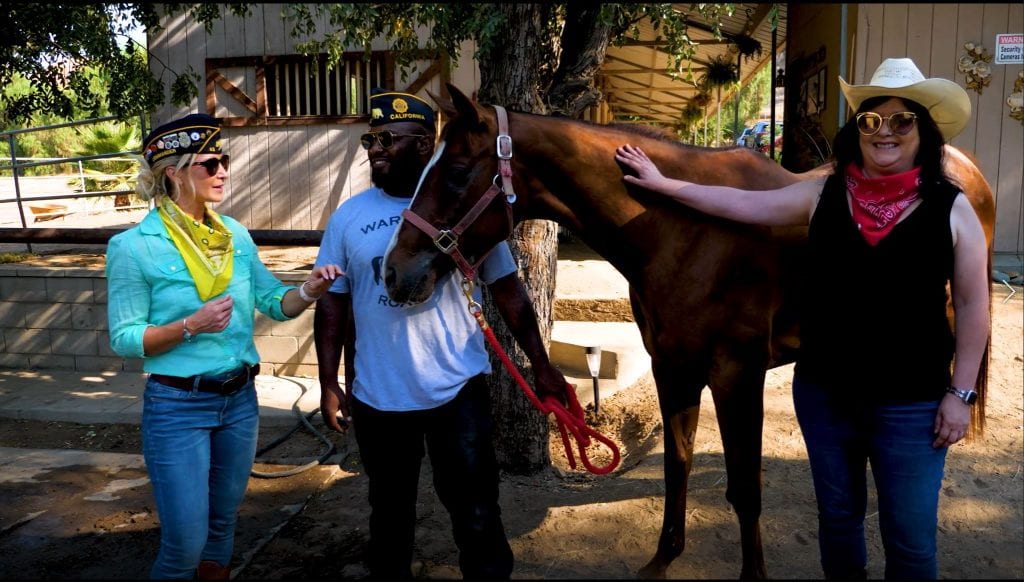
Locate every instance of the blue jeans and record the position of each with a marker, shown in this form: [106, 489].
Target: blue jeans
[199, 449]
[841, 438]
[457, 436]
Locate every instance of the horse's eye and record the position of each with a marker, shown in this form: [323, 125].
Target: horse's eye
[457, 176]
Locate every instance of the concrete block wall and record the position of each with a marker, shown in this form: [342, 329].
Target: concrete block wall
[56, 318]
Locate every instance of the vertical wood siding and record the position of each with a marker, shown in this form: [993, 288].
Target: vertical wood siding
[933, 35]
[282, 177]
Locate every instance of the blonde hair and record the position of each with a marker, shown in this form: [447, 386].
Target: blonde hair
[151, 182]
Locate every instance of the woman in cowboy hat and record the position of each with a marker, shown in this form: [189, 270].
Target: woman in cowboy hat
[880, 377]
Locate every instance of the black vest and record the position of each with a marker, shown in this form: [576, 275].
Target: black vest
[873, 319]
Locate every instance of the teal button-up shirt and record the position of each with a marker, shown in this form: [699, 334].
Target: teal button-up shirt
[149, 284]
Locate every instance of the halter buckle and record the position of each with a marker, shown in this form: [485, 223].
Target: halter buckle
[503, 145]
[446, 241]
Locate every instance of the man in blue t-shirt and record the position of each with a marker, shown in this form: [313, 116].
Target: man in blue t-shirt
[418, 384]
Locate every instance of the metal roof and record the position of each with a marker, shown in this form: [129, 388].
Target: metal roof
[638, 86]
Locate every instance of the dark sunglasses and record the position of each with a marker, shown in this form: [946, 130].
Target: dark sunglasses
[900, 123]
[212, 163]
[385, 138]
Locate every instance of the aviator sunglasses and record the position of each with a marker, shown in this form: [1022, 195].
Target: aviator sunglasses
[211, 164]
[385, 138]
[900, 123]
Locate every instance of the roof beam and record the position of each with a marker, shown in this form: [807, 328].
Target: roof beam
[661, 43]
[648, 91]
[639, 109]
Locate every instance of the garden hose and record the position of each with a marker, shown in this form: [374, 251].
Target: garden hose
[303, 422]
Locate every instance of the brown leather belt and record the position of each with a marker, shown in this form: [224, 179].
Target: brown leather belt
[225, 384]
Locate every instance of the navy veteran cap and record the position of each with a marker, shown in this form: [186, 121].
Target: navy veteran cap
[197, 133]
[392, 107]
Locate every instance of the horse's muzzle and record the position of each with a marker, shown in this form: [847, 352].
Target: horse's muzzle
[409, 284]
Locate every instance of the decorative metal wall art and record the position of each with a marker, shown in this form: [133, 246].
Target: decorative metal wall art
[1016, 98]
[974, 63]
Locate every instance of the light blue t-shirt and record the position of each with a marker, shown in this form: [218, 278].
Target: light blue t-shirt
[407, 357]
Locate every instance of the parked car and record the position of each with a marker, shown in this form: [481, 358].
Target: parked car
[760, 134]
[742, 139]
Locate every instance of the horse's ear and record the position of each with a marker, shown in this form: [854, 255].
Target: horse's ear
[463, 106]
[443, 103]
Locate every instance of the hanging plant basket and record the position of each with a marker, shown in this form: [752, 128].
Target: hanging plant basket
[691, 113]
[701, 100]
[747, 46]
[721, 72]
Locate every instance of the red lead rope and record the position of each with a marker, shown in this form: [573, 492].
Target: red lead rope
[568, 420]
[448, 242]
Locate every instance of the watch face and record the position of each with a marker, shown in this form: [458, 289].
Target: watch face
[968, 396]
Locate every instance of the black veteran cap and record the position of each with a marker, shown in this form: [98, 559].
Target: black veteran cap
[392, 106]
[197, 133]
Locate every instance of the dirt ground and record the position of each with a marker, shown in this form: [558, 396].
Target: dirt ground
[562, 524]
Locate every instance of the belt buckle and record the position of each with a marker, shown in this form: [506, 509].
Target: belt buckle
[231, 385]
[241, 379]
[224, 385]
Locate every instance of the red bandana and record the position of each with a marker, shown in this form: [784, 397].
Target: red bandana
[879, 202]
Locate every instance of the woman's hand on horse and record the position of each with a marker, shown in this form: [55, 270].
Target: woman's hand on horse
[647, 174]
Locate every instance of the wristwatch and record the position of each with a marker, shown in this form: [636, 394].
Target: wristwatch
[968, 396]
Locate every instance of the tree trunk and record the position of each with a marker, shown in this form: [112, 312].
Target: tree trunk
[521, 432]
[584, 45]
[509, 76]
[534, 68]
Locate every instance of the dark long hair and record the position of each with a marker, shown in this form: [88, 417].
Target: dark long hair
[929, 155]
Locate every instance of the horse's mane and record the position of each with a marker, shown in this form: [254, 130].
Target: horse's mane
[661, 134]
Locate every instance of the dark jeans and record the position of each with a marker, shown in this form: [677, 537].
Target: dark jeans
[458, 442]
[841, 438]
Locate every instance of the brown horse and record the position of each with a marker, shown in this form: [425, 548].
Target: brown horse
[713, 298]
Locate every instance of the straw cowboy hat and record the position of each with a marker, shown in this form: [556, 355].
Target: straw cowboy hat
[947, 102]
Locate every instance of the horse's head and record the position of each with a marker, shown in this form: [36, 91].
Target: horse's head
[459, 212]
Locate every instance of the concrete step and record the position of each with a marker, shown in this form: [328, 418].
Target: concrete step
[587, 288]
[591, 308]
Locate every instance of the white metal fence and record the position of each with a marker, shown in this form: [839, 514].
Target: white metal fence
[77, 185]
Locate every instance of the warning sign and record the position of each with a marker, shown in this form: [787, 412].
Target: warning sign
[1009, 49]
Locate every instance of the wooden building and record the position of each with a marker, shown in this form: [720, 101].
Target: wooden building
[292, 129]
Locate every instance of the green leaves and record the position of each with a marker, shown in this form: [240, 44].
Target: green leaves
[65, 54]
[185, 87]
[59, 52]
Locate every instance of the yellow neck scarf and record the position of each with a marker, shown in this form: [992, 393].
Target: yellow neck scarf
[208, 250]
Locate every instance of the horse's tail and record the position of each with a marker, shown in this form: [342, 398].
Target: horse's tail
[962, 169]
[976, 429]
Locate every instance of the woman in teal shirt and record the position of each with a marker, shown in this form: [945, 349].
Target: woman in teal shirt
[183, 287]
